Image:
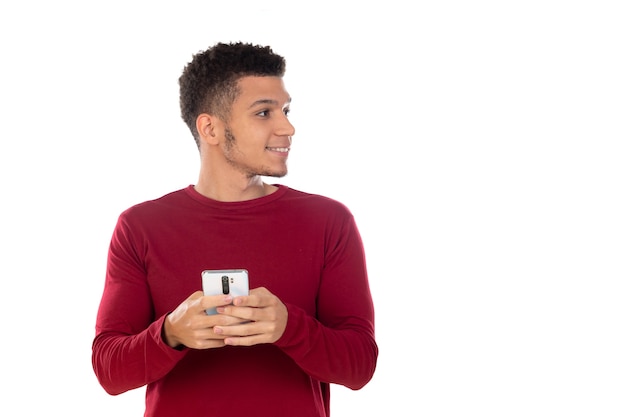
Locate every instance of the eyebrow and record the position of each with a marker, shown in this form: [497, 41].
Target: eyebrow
[267, 101]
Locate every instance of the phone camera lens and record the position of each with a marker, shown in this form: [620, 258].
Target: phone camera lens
[225, 285]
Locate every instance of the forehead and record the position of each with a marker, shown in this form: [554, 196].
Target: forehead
[261, 89]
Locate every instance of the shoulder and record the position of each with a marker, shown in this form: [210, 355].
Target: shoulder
[316, 200]
[316, 205]
[156, 207]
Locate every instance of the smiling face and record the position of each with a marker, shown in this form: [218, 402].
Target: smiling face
[257, 136]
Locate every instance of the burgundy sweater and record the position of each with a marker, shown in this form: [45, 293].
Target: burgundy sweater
[304, 248]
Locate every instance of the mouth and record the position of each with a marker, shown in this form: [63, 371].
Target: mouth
[283, 150]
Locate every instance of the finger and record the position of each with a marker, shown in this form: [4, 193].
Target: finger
[255, 298]
[249, 333]
[225, 320]
[247, 340]
[204, 339]
[241, 329]
[211, 301]
[207, 344]
[242, 313]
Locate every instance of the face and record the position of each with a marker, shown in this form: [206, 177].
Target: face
[257, 138]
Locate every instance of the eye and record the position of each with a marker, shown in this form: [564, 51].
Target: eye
[263, 113]
[286, 110]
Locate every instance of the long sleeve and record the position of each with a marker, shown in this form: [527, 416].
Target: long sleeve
[128, 350]
[338, 346]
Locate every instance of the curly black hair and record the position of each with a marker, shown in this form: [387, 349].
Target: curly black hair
[208, 83]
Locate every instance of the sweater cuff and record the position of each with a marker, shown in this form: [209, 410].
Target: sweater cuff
[156, 334]
[293, 337]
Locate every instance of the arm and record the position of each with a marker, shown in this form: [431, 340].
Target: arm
[124, 362]
[337, 346]
[131, 347]
[128, 350]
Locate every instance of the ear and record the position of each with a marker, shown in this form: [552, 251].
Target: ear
[206, 126]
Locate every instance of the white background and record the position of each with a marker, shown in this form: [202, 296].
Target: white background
[480, 146]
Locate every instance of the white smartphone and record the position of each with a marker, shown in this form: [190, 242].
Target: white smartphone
[224, 281]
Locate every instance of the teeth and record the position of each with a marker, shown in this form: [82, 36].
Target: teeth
[279, 149]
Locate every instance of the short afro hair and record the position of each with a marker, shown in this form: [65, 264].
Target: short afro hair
[208, 83]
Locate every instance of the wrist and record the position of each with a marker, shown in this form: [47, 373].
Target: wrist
[168, 337]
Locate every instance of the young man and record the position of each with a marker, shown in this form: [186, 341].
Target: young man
[308, 320]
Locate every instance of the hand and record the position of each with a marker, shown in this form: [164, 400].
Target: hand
[264, 316]
[189, 324]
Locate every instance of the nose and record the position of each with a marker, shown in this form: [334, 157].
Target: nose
[285, 128]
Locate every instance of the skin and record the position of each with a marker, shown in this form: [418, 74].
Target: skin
[234, 155]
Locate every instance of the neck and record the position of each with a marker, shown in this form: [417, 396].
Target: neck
[229, 191]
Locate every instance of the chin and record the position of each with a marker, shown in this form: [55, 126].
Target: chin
[275, 174]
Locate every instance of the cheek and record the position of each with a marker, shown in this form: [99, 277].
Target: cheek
[252, 139]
